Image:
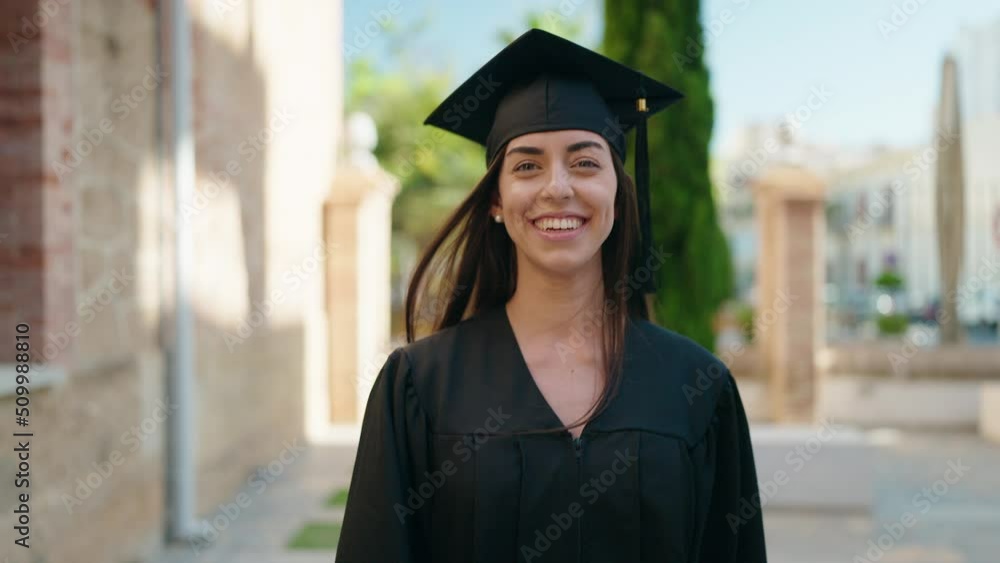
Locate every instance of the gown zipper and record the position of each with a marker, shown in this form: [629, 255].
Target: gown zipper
[578, 446]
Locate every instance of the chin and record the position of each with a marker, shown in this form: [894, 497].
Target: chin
[564, 263]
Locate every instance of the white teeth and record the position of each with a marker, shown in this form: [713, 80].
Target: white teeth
[561, 224]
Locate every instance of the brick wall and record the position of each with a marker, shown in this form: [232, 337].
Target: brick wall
[75, 166]
[81, 256]
[20, 175]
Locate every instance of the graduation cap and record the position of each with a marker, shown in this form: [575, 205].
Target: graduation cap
[542, 82]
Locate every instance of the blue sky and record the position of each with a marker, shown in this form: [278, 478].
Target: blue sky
[765, 59]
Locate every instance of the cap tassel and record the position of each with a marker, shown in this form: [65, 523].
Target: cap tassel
[642, 190]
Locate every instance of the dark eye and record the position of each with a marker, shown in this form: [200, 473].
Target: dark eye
[521, 167]
[587, 163]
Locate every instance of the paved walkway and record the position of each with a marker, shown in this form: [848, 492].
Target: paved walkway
[956, 522]
[958, 525]
[263, 529]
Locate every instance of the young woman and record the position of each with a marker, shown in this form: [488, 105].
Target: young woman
[546, 419]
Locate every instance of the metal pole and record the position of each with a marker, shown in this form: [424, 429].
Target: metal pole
[182, 447]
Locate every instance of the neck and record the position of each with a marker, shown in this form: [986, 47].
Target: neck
[556, 306]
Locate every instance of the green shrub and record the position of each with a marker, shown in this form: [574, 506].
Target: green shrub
[889, 281]
[891, 325]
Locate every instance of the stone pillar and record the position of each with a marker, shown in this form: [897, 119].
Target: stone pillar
[789, 315]
[989, 412]
[357, 229]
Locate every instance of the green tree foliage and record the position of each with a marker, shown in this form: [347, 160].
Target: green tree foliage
[552, 20]
[436, 169]
[664, 39]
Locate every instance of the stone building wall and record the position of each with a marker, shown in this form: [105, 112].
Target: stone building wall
[86, 254]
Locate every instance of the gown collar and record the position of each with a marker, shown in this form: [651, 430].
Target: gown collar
[536, 410]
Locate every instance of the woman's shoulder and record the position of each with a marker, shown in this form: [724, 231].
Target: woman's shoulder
[681, 362]
[448, 339]
[439, 359]
[680, 348]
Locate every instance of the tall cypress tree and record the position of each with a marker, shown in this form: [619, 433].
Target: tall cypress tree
[664, 39]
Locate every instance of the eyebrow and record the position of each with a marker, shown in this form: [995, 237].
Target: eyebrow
[571, 148]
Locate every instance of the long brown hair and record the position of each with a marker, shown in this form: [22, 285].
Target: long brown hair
[478, 271]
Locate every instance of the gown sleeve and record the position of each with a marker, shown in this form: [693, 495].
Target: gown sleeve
[733, 526]
[384, 519]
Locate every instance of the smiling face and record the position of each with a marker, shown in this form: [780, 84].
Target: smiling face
[557, 197]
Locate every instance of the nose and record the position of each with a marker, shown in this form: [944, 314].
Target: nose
[558, 185]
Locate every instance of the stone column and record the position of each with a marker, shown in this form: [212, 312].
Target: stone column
[357, 230]
[789, 315]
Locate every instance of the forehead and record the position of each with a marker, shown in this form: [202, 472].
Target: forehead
[556, 140]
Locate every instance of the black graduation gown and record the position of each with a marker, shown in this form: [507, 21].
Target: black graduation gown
[444, 473]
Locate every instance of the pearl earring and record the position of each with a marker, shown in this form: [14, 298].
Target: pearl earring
[498, 218]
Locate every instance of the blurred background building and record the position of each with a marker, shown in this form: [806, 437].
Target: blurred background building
[880, 206]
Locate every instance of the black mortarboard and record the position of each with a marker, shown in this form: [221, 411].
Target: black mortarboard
[542, 82]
